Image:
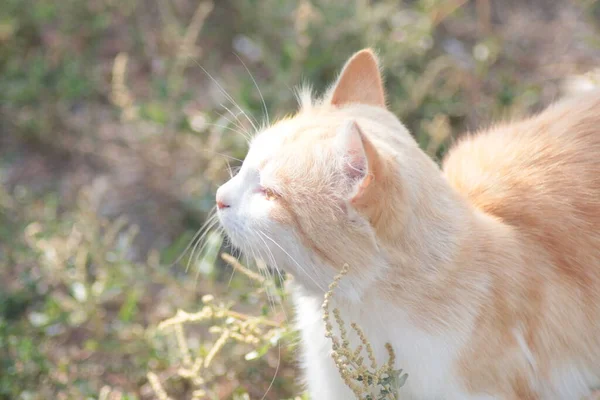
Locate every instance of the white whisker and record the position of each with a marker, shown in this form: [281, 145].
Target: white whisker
[220, 232]
[229, 169]
[209, 226]
[239, 132]
[221, 154]
[236, 122]
[276, 369]
[296, 262]
[270, 299]
[257, 88]
[275, 266]
[272, 257]
[212, 215]
[231, 277]
[225, 93]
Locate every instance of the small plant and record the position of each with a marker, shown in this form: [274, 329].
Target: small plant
[368, 381]
[260, 333]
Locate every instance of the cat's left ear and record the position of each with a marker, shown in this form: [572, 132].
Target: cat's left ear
[360, 161]
[360, 81]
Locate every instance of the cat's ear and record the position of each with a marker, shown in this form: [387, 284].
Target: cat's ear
[360, 161]
[360, 81]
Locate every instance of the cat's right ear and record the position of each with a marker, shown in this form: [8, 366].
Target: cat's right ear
[360, 160]
[359, 82]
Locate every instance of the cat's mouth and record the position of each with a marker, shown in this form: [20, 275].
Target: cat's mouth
[243, 239]
[232, 229]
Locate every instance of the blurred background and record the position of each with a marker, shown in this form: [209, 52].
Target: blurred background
[119, 119]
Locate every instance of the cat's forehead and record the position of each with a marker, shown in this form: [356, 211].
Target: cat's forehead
[281, 139]
[264, 147]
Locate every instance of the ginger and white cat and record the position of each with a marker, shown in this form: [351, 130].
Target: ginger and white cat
[484, 276]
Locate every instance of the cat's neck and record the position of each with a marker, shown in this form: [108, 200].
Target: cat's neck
[438, 246]
[428, 222]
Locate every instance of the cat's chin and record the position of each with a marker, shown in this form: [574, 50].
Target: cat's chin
[307, 287]
[307, 271]
[313, 279]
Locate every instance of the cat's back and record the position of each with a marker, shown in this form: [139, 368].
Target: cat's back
[541, 176]
[539, 172]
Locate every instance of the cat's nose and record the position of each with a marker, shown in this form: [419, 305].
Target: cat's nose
[221, 202]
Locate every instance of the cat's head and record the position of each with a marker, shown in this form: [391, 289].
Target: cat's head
[321, 189]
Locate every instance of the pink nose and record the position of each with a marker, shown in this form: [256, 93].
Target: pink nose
[221, 203]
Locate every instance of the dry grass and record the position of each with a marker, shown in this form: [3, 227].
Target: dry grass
[113, 140]
[366, 379]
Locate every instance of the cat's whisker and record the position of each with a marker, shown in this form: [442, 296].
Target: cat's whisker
[195, 256]
[234, 253]
[231, 277]
[221, 154]
[238, 131]
[275, 266]
[276, 370]
[235, 122]
[212, 215]
[210, 224]
[229, 169]
[275, 299]
[281, 278]
[219, 231]
[257, 88]
[270, 299]
[270, 296]
[297, 264]
[225, 93]
[193, 260]
[272, 257]
[269, 256]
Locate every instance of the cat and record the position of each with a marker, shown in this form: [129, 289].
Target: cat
[483, 275]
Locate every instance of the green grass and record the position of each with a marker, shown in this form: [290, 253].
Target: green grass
[113, 140]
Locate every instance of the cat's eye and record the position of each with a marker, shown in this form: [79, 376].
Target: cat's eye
[268, 193]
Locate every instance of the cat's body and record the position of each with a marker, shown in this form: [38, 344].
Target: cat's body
[541, 178]
[484, 278]
[517, 312]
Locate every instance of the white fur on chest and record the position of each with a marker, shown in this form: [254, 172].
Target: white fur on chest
[428, 359]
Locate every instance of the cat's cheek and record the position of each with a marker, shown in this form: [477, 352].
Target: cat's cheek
[280, 215]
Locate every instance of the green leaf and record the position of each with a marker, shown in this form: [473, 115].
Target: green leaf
[129, 307]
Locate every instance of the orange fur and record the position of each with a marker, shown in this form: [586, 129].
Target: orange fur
[496, 257]
[540, 177]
